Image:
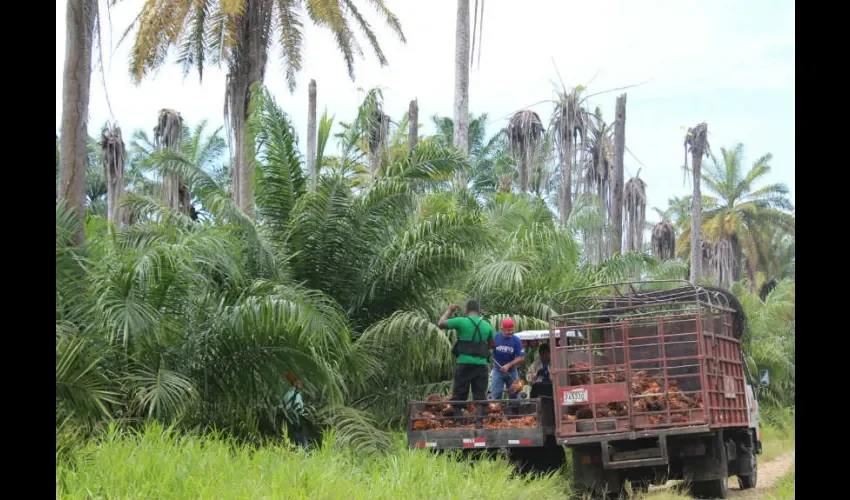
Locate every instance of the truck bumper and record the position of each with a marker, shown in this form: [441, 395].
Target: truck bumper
[619, 436]
[477, 438]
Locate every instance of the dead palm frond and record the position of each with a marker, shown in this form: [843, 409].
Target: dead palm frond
[569, 124]
[594, 178]
[114, 158]
[600, 145]
[726, 265]
[525, 136]
[663, 241]
[379, 125]
[168, 134]
[634, 201]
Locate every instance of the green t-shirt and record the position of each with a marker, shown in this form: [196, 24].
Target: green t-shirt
[466, 331]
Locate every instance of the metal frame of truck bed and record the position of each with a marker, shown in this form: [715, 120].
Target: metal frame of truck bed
[686, 340]
[480, 436]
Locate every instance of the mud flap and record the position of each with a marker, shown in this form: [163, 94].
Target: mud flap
[590, 475]
[713, 465]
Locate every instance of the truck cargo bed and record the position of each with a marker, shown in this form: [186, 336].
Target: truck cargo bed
[648, 362]
[479, 424]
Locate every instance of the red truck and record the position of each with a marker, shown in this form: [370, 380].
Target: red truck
[652, 385]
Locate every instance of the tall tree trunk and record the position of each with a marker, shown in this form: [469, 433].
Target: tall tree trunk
[461, 118]
[751, 277]
[246, 70]
[523, 173]
[696, 217]
[80, 16]
[413, 126]
[617, 180]
[566, 158]
[168, 134]
[311, 133]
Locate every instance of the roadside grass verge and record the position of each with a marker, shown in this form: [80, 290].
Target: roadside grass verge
[777, 441]
[163, 464]
[784, 489]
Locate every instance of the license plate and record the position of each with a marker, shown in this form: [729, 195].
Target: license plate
[575, 396]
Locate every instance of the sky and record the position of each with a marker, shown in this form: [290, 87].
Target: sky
[727, 63]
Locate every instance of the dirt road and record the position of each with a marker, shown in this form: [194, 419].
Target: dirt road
[769, 474]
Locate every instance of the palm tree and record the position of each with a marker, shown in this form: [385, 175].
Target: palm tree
[96, 187]
[569, 123]
[696, 141]
[371, 143]
[311, 131]
[80, 18]
[616, 245]
[663, 240]
[461, 104]
[769, 342]
[413, 124]
[168, 134]
[634, 200]
[743, 219]
[678, 212]
[114, 157]
[490, 164]
[525, 135]
[340, 283]
[595, 181]
[240, 33]
[195, 146]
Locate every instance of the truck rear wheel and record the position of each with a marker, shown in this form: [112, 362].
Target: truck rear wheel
[716, 488]
[749, 481]
[589, 477]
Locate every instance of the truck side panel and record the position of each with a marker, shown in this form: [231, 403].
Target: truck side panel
[726, 384]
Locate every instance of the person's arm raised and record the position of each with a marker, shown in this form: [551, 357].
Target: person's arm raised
[443, 323]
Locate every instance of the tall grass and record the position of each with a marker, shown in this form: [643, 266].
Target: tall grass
[158, 463]
[785, 489]
[163, 463]
[778, 436]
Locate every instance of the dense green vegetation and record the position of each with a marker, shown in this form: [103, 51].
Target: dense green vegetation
[193, 317]
[193, 272]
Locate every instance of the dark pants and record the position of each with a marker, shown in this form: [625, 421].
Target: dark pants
[297, 435]
[474, 376]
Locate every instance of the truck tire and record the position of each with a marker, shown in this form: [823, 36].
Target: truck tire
[749, 481]
[746, 455]
[716, 488]
[717, 462]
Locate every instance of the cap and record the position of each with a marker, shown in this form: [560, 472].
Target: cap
[291, 377]
[507, 323]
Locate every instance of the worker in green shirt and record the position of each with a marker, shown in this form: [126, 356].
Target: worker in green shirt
[293, 410]
[474, 341]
